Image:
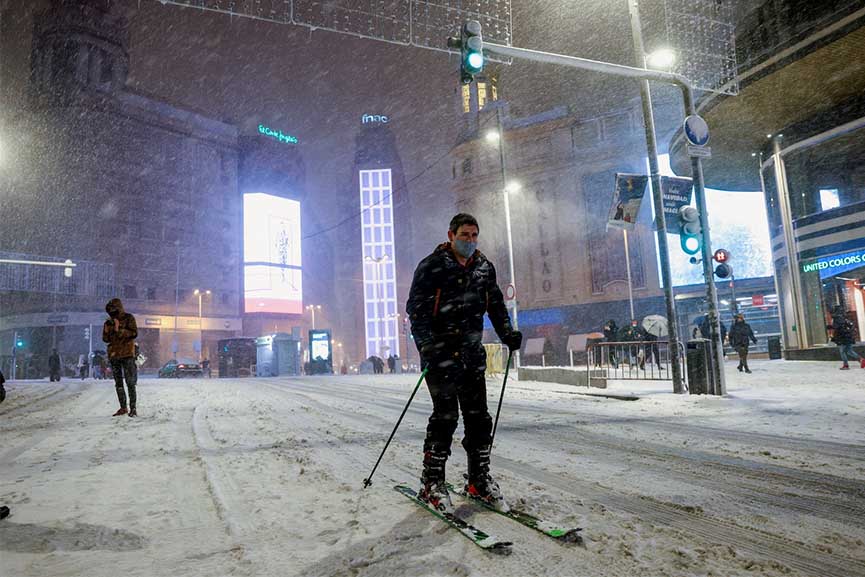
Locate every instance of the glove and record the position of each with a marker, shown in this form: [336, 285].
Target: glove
[513, 340]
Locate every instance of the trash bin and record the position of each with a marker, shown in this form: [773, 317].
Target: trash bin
[697, 360]
[774, 348]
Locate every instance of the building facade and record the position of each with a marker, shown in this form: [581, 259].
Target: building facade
[144, 197]
[797, 130]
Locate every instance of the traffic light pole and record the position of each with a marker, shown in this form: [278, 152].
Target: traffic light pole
[718, 384]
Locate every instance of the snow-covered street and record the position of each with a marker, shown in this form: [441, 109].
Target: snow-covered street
[263, 477]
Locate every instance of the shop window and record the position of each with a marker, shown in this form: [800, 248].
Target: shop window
[829, 198]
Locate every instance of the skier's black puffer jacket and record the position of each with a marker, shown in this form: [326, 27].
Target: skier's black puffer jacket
[446, 305]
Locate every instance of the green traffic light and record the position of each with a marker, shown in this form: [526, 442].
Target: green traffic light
[475, 62]
[690, 243]
[19, 344]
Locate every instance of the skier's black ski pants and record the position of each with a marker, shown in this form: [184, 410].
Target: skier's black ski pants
[454, 389]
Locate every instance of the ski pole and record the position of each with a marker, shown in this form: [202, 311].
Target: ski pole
[368, 481]
[504, 382]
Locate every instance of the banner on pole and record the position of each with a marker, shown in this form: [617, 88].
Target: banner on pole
[676, 192]
[630, 189]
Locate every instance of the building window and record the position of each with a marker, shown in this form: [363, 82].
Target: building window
[482, 95]
[224, 298]
[494, 89]
[467, 166]
[151, 293]
[130, 291]
[829, 198]
[467, 98]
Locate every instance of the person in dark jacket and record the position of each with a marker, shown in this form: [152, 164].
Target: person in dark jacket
[451, 291]
[844, 336]
[741, 337]
[120, 331]
[632, 333]
[54, 366]
[611, 332]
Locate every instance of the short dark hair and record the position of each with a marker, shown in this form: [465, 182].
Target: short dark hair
[461, 219]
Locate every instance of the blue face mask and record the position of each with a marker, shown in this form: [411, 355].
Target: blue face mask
[465, 248]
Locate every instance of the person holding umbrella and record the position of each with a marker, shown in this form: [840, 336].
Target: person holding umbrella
[654, 327]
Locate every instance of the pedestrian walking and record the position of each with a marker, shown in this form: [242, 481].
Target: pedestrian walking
[611, 331]
[54, 366]
[632, 333]
[451, 291]
[4, 510]
[843, 335]
[120, 331]
[82, 366]
[741, 336]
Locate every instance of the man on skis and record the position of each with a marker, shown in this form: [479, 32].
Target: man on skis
[451, 291]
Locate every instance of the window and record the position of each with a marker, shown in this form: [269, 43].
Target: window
[150, 293]
[467, 166]
[467, 98]
[224, 298]
[130, 291]
[482, 95]
[829, 198]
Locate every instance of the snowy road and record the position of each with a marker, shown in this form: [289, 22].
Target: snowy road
[263, 477]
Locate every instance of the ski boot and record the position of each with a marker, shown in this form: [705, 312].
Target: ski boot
[479, 483]
[434, 491]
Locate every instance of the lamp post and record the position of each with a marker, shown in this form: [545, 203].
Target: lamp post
[506, 189]
[379, 293]
[200, 294]
[311, 309]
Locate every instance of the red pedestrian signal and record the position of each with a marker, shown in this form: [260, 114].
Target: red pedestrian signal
[721, 255]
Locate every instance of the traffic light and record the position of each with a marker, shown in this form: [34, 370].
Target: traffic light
[19, 342]
[723, 270]
[690, 236]
[471, 45]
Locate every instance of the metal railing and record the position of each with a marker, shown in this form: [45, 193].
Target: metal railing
[633, 360]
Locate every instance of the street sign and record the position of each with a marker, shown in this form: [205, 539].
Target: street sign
[699, 151]
[510, 292]
[696, 130]
[676, 192]
[757, 300]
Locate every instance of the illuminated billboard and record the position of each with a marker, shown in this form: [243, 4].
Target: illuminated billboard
[271, 254]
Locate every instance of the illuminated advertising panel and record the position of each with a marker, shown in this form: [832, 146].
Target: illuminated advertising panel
[271, 254]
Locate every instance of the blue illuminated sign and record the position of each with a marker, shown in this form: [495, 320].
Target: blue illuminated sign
[836, 264]
[277, 134]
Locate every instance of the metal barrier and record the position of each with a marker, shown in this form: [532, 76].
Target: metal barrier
[633, 360]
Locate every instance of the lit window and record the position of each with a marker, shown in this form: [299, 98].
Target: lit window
[467, 98]
[494, 89]
[482, 95]
[829, 198]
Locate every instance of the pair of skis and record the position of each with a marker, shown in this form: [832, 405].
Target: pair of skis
[483, 539]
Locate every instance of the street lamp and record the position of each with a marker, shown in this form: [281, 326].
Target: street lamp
[379, 294]
[311, 309]
[200, 294]
[507, 188]
[661, 59]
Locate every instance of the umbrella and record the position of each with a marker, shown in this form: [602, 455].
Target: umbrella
[655, 325]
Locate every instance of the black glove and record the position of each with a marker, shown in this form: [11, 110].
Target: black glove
[513, 340]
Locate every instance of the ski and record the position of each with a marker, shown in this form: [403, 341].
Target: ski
[472, 533]
[549, 529]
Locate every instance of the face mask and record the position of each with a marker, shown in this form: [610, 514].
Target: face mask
[465, 248]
